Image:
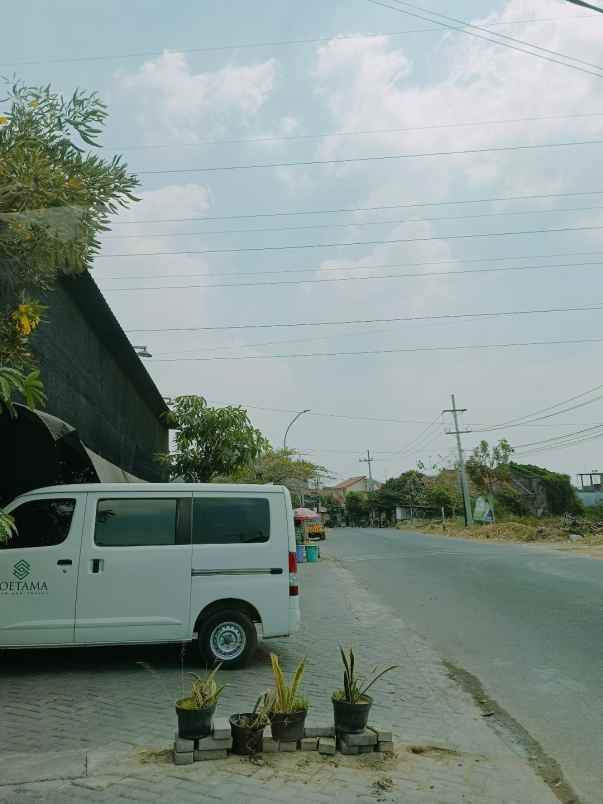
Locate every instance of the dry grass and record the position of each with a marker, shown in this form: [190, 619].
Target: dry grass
[547, 530]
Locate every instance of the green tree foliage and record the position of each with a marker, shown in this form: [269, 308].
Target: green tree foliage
[210, 442]
[55, 200]
[282, 468]
[335, 511]
[356, 508]
[487, 465]
[27, 385]
[561, 495]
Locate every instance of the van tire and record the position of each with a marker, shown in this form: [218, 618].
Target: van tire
[226, 623]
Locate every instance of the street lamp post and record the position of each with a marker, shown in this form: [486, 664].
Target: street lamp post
[291, 423]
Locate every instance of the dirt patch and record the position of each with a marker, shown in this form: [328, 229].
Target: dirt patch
[433, 751]
[159, 756]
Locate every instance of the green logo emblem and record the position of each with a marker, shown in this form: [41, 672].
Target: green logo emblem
[21, 569]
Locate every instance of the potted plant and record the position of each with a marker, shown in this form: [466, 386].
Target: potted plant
[351, 705]
[196, 711]
[288, 711]
[247, 728]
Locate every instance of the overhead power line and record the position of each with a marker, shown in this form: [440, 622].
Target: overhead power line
[354, 224]
[402, 350]
[343, 245]
[464, 27]
[443, 317]
[278, 43]
[544, 413]
[506, 37]
[361, 159]
[350, 210]
[373, 278]
[586, 5]
[562, 445]
[561, 438]
[363, 133]
[370, 267]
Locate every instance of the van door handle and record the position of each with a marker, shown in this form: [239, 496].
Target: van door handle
[97, 565]
[64, 562]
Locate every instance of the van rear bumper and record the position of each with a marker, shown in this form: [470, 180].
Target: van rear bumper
[294, 615]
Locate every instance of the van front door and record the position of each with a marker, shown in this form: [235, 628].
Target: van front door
[38, 572]
[135, 570]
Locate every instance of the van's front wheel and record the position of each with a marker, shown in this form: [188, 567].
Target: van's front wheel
[228, 638]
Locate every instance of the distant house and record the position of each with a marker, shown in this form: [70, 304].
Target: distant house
[361, 483]
[104, 418]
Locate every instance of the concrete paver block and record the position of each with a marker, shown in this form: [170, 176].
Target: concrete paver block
[349, 750]
[287, 745]
[269, 744]
[221, 729]
[386, 746]
[203, 756]
[184, 758]
[309, 744]
[365, 737]
[315, 729]
[384, 734]
[183, 746]
[214, 744]
[326, 745]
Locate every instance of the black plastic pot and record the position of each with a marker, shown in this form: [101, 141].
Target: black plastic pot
[288, 726]
[351, 718]
[194, 723]
[245, 741]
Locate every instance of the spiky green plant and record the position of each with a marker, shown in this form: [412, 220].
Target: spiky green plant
[260, 716]
[355, 687]
[286, 698]
[204, 691]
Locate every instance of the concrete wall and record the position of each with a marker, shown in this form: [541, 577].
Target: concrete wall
[95, 381]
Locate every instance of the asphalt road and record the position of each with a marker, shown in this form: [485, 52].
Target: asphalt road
[527, 621]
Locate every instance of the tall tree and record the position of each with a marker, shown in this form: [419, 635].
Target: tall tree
[55, 200]
[282, 468]
[210, 442]
[487, 465]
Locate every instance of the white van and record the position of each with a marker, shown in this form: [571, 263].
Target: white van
[104, 564]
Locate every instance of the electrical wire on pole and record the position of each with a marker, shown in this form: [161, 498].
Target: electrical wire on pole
[463, 477]
[586, 5]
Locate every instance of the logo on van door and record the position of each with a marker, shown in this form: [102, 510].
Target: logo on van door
[21, 586]
[21, 569]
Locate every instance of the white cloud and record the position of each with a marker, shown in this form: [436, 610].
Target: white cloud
[170, 97]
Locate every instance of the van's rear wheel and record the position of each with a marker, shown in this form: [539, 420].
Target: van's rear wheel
[227, 637]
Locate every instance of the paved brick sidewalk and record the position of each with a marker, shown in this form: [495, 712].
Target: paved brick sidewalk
[109, 720]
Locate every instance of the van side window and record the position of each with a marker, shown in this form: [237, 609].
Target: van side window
[139, 522]
[41, 523]
[230, 520]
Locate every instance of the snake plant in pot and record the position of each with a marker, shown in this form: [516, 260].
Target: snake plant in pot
[196, 711]
[351, 705]
[289, 709]
[247, 728]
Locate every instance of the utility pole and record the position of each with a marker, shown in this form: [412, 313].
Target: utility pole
[466, 499]
[368, 460]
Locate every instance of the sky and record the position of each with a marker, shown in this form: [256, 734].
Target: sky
[436, 183]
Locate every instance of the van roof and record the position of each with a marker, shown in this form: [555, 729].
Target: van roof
[155, 487]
